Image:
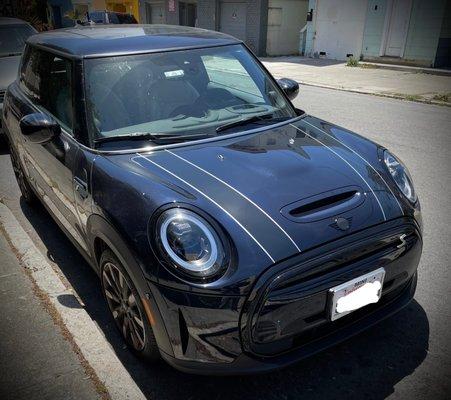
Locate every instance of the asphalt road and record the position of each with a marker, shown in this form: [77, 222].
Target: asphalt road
[407, 356]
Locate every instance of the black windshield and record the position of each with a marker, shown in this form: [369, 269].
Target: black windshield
[187, 92]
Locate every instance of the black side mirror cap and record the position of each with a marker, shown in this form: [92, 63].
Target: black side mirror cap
[39, 128]
[289, 86]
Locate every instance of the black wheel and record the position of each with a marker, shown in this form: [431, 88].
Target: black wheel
[24, 186]
[127, 308]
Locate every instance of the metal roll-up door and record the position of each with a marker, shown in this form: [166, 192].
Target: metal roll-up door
[233, 19]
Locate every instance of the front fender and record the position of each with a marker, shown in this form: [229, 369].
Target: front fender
[99, 228]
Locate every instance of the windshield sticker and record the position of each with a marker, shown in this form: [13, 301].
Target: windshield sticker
[174, 74]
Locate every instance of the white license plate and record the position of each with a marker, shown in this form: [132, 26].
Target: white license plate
[355, 294]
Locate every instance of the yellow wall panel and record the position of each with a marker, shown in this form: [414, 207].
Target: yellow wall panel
[128, 6]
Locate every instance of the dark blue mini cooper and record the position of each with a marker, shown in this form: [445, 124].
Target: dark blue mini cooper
[232, 232]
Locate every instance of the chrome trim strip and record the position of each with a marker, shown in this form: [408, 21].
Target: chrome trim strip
[241, 194]
[208, 198]
[366, 162]
[357, 172]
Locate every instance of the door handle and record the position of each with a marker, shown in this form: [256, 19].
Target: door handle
[81, 188]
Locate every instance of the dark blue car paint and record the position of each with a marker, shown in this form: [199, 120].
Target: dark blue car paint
[245, 183]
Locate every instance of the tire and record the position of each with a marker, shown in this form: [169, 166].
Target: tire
[24, 186]
[126, 308]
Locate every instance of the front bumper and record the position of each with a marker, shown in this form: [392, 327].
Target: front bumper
[285, 317]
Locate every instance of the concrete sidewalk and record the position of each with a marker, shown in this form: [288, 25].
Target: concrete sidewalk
[406, 83]
[36, 360]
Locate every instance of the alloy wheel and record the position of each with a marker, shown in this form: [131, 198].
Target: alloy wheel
[123, 305]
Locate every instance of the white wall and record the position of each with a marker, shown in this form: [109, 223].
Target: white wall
[285, 20]
[338, 27]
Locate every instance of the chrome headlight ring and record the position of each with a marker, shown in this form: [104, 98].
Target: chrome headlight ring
[191, 245]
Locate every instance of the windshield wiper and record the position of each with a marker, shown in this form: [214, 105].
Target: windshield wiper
[159, 138]
[244, 121]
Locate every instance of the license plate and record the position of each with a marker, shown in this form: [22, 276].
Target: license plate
[357, 293]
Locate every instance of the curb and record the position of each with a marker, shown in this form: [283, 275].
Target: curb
[409, 68]
[85, 333]
[387, 95]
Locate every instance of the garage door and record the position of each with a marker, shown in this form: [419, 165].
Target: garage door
[233, 19]
[285, 20]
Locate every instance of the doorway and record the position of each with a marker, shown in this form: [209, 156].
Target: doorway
[286, 18]
[233, 19]
[155, 13]
[397, 26]
[187, 13]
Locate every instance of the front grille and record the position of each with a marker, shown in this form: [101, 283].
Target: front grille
[322, 330]
[292, 306]
[2, 96]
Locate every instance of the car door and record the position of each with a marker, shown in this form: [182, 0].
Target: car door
[47, 81]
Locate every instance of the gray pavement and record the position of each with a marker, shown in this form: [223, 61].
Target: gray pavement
[405, 357]
[409, 83]
[36, 361]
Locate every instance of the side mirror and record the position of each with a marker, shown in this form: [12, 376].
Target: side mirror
[39, 128]
[289, 86]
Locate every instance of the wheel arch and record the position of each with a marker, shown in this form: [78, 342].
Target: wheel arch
[102, 235]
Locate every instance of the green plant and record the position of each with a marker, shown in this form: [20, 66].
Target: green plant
[352, 62]
[413, 97]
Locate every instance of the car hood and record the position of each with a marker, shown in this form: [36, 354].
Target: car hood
[8, 70]
[286, 189]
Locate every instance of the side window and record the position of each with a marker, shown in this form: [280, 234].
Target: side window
[56, 88]
[47, 79]
[228, 72]
[29, 74]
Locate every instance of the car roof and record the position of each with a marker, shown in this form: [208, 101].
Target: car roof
[112, 40]
[12, 21]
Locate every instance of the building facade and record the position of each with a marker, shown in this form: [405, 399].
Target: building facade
[413, 32]
[268, 27]
[123, 6]
[58, 11]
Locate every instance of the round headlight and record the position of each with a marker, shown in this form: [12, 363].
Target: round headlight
[191, 242]
[400, 175]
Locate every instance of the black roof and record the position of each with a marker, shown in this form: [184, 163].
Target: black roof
[108, 40]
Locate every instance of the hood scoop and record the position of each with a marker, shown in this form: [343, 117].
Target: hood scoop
[324, 205]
